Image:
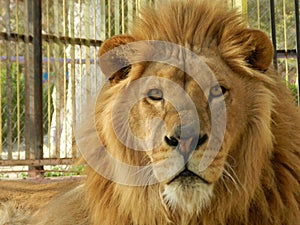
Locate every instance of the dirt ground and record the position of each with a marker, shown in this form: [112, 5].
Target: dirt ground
[35, 193]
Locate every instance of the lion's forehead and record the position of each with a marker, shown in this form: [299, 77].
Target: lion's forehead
[178, 84]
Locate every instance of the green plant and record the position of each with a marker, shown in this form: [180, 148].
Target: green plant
[10, 101]
[3, 175]
[23, 175]
[75, 170]
[12, 97]
[55, 173]
[59, 171]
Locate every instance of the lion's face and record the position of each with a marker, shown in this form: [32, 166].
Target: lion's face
[186, 119]
[174, 117]
[170, 116]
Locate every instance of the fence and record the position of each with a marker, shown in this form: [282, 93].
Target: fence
[48, 68]
[48, 55]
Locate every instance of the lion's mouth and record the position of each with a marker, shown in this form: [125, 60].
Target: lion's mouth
[190, 175]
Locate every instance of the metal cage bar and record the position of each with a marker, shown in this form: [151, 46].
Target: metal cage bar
[273, 29]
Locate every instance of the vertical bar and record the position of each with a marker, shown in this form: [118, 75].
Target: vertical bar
[18, 85]
[242, 6]
[116, 6]
[245, 9]
[298, 45]
[273, 27]
[80, 61]
[258, 14]
[37, 114]
[33, 85]
[103, 33]
[123, 15]
[72, 75]
[87, 50]
[65, 80]
[109, 18]
[28, 72]
[49, 144]
[8, 84]
[129, 13]
[95, 20]
[58, 80]
[285, 41]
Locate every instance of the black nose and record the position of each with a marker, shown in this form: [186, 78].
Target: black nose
[185, 140]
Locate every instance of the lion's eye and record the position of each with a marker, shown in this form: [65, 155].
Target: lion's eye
[217, 91]
[155, 94]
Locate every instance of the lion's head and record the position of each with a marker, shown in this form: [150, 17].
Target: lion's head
[194, 124]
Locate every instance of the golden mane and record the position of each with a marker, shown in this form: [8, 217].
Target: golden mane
[266, 160]
[198, 26]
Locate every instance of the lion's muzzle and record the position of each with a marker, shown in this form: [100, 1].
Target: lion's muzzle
[186, 139]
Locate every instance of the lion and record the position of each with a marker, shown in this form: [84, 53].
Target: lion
[193, 126]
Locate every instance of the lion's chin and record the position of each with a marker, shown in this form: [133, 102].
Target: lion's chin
[187, 194]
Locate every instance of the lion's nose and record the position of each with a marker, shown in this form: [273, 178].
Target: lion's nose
[185, 140]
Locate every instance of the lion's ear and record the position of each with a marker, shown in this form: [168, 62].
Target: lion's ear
[113, 57]
[261, 51]
[247, 47]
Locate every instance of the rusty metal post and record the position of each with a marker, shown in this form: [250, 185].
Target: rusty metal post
[34, 106]
[38, 83]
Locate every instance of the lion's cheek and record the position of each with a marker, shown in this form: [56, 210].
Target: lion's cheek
[214, 169]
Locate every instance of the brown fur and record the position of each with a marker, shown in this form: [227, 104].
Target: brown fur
[264, 161]
[255, 177]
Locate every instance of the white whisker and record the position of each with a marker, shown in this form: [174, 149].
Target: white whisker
[232, 176]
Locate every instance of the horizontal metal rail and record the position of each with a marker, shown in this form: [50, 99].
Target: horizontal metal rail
[21, 59]
[50, 38]
[37, 162]
[44, 171]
